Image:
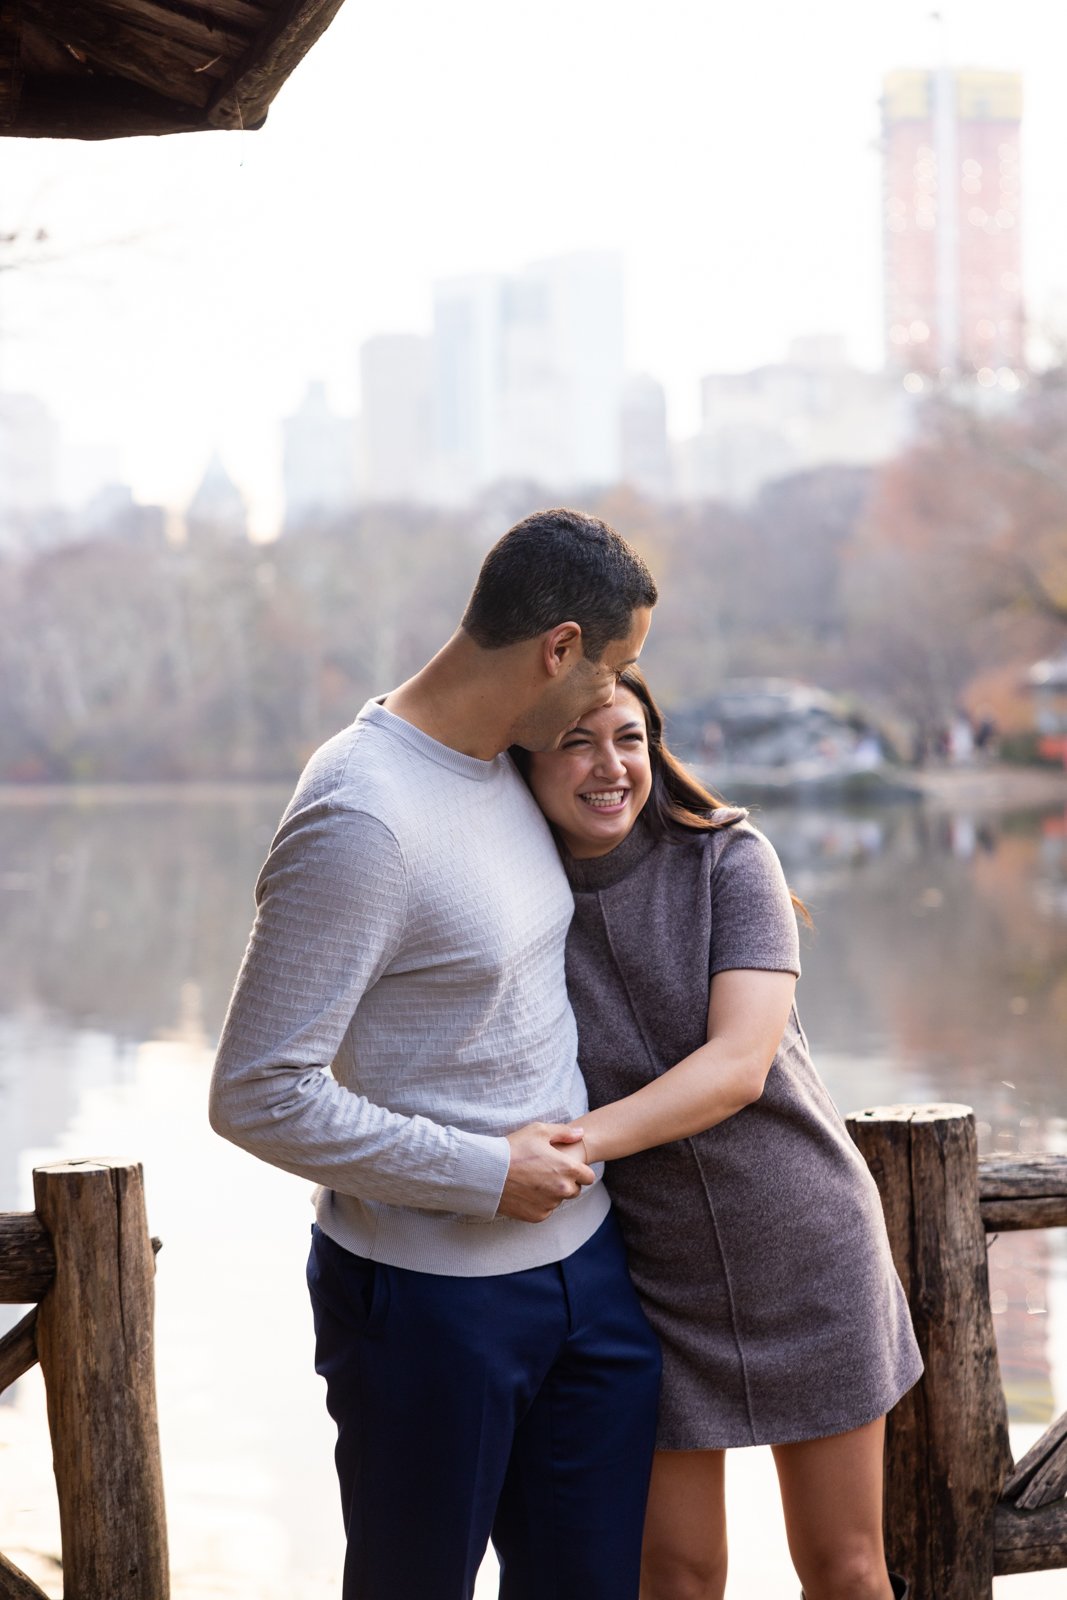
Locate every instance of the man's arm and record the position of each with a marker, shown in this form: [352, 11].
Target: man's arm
[331, 911]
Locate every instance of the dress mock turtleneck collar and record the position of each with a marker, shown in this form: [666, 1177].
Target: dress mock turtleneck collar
[601, 872]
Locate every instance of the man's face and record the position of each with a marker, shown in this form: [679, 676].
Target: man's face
[588, 685]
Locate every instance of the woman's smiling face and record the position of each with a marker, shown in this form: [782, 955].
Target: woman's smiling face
[593, 786]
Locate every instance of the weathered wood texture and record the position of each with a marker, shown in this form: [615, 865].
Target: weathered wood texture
[120, 67]
[18, 1352]
[94, 1339]
[1030, 1541]
[27, 1260]
[14, 1584]
[1022, 1192]
[277, 50]
[947, 1450]
[1041, 1476]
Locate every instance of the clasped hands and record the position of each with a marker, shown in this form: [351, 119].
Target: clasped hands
[548, 1166]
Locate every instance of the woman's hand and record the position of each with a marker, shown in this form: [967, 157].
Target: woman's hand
[747, 1014]
[548, 1166]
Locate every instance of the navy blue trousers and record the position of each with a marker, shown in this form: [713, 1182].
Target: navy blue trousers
[519, 1408]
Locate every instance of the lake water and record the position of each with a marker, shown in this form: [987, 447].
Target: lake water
[938, 971]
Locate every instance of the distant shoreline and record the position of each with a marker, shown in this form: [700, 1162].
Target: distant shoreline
[979, 787]
[196, 791]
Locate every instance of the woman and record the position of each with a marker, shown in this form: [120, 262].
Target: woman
[754, 1231]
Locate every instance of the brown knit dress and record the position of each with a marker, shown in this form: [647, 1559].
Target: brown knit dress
[758, 1247]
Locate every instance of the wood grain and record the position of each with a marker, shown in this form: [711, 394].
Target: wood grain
[1030, 1541]
[94, 1338]
[947, 1451]
[18, 1350]
[27, 1261]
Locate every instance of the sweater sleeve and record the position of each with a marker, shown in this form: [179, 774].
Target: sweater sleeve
[753, 924]
[332, 902]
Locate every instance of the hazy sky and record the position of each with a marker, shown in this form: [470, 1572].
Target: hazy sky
[728, 150]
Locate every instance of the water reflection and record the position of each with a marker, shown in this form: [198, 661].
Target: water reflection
[938, 970]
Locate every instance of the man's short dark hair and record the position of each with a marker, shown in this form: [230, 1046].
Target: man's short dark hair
[558, 566]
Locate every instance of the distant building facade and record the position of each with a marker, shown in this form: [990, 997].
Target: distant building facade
[528, 376]
[29, 469]
[811, 410]
[217, 513]
[952, 225]
[645, 452]
[319, 463]
[395, 376]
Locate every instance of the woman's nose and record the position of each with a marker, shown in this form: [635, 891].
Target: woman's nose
[609, 763]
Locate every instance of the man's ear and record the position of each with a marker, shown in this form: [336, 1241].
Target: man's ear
[561, 647]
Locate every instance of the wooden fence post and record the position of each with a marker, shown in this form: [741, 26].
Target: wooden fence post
[947, 1450]
[94, 1340]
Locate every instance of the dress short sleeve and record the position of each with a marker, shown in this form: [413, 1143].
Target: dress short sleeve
[753, 924]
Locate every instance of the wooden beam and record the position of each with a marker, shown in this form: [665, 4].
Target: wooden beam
[174, 70]
[94, 1338]
[27, 1260]
[1030, 1541]
[1022, 1192]
[1035, 1177]
[253, 81]
[10, 60]
[1041, 1476]
[99, 107]
[14, 1584]
[18, 1350]
[947, 1451]
[1010, 1216]
[205, 33]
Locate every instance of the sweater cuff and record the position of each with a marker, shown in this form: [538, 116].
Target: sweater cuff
[479, 1174]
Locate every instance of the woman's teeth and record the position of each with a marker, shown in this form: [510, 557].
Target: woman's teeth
[604, 798]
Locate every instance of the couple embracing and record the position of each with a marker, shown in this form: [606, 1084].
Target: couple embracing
[527, 943]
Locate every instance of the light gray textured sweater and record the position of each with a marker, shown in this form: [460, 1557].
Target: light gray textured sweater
[410, 933]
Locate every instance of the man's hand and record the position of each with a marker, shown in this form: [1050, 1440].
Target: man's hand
[547, 1167]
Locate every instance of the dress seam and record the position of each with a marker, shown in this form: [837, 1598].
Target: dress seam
[621, 970]
[738, 1344]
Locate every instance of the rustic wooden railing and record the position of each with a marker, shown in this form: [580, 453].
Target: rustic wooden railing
[84, 1255]
[959, 1511]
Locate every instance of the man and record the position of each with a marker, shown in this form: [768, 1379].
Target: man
[486, 1362]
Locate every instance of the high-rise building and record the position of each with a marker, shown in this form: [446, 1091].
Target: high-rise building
[811, 410]
[395, 387]
[318, 461]
[952, 225]
[29, 464]
[646, 461]
[528, 374]
[217, 513]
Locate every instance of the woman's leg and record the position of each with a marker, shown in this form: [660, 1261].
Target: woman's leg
[684, 1551]
[832, 1499]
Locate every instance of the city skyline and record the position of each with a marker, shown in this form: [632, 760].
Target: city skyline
[732, 159]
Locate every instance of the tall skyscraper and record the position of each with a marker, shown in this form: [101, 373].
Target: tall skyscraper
[318, 461]
[528, 375]
[217, 513]
[394, 381]
[952, 225]
[646, 463]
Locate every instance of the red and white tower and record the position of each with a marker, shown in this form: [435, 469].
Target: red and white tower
[951, 224]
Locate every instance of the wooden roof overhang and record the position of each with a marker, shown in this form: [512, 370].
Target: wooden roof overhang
[104, 69]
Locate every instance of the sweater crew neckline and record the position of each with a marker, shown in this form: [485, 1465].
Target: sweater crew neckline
[455, 760]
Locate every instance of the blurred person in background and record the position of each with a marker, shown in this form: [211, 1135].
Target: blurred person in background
[487, 1362]
[754, 1231]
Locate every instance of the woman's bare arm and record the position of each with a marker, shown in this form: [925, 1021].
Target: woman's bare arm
[747, 1014]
